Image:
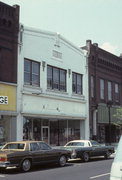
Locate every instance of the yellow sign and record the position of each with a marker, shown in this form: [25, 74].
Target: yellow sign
[7, 97]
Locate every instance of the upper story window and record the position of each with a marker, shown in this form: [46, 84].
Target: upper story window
[116, 92]
[31, 72]
[92, 86]
[102, 89]
[77, 83]
[109, 91]
[56, 78]
[57, 54]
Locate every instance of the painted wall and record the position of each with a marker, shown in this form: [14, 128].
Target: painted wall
[40, 101]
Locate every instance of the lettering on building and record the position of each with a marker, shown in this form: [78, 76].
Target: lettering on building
[3, 99]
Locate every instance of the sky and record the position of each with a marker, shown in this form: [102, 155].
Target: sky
[76, 20]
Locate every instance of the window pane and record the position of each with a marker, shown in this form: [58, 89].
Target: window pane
[109, 91]
[77, 83]
[49, 77]
[35, 80]
[31, 72]
[101, 88]
[117, 92]
[116, 88]
[27, 66]
[92, 86]
[74, 82]
[55, 78]
[27, 71]
[35, 68]
[63, 80]
[27, 79]
[79, 88]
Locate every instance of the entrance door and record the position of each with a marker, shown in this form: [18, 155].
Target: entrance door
[45, 134]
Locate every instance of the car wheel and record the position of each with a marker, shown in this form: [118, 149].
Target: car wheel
[107, 154]
[85, 157]
[62, 160]
[26, 165]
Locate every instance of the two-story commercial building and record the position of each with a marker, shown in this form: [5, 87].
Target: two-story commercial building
[52, 94]
[105, 93]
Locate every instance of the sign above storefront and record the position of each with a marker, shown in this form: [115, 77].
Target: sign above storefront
[3, 99]
[8, 95]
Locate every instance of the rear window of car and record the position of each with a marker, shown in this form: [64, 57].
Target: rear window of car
[17, 146]
[76, 144]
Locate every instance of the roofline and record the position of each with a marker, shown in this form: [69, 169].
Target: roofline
[49, 33]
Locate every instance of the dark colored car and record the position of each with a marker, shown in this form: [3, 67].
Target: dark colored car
[85, 149]
[25, 154]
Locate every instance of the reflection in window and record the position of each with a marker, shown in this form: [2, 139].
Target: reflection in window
[62, 131]
[77, 83]
[56, 78]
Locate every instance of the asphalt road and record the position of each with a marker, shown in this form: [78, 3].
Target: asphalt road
[96, 169]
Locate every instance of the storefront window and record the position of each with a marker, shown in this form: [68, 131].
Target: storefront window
[27, 129]
[73, 130]
[58, 132]
[62, 131]
[37, 129]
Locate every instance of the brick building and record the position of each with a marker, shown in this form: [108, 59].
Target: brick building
[105, 87]
[9, 27]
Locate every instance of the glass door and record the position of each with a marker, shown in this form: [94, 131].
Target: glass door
[45, 134]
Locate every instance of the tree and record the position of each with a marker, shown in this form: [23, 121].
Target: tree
[118, 116]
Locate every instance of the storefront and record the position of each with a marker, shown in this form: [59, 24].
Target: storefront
[56, 132]
[7, 112]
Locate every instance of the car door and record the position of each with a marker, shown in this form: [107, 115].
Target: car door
[97, 149]
[35, 152]
[48, 154]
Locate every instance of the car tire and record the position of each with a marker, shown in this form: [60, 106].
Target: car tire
[107, 155]
[26, 165]
[85, 157]
[62, 161]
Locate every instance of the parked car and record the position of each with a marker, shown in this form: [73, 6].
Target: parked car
[25, 154]
[85, 149]
[116, 168]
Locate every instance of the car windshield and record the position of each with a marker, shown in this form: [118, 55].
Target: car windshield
[17, 146]
[75, 144]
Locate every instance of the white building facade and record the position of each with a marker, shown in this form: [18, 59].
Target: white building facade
[52, 92]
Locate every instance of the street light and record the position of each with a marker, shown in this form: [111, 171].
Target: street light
[109, 105]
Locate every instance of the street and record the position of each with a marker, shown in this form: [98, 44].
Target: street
[96, 169]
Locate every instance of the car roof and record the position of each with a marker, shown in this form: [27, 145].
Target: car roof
[30, 141]
[79, 141]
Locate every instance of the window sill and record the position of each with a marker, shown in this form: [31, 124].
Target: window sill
[78, 96]
[56, 91]
[32, 89]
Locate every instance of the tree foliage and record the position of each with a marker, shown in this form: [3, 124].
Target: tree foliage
[118, 116]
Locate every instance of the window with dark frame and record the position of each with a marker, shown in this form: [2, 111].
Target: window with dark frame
[92, 86]
[31, 72]
[77, 83]
[102, 89]
[116, 92]
[109, 90]
[56, 78]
